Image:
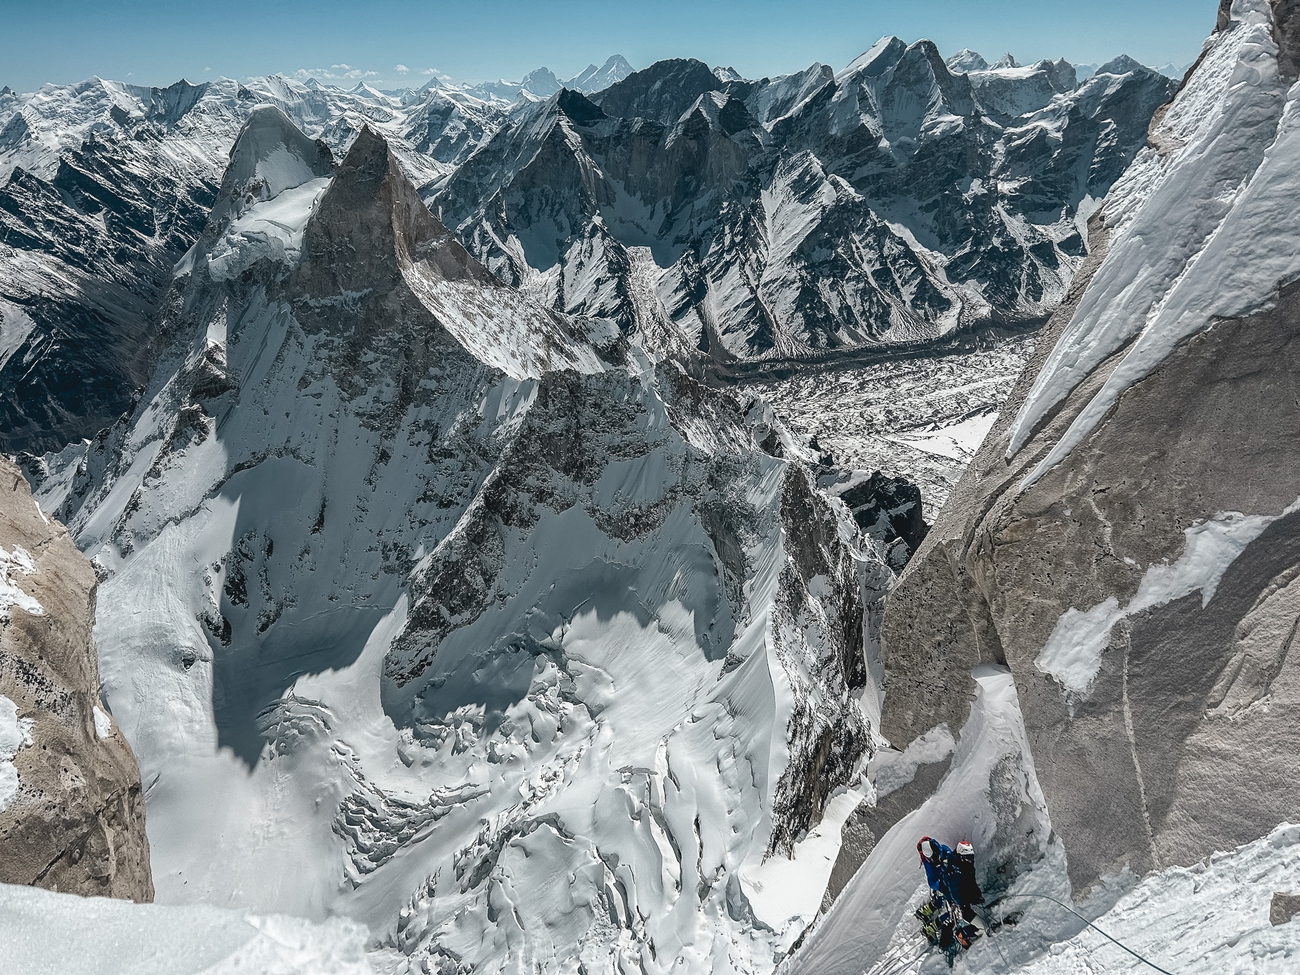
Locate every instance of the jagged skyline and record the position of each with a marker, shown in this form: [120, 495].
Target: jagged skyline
[404, 43]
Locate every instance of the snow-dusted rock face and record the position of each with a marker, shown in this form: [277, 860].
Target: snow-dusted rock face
[1128, 538]
[71, 812]
[895, 201]
[428, 605]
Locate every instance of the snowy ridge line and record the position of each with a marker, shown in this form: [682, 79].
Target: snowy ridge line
[1162, 284]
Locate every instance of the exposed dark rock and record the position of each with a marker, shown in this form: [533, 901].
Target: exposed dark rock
[888, 508]
[578, 107]
[660, 92]
[1283, 908]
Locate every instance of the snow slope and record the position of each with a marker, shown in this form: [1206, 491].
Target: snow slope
[990, 796]
[1186, 249]
[1206, 919]
[45, 933]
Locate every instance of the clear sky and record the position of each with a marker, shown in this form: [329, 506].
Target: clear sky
[399, 42]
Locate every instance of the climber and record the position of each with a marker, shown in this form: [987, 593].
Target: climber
[968, 888]
[950, 893]
[941, 870]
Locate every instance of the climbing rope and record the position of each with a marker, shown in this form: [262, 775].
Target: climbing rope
[1144, 961]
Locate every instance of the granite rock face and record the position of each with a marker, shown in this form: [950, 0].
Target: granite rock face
[1131, 549]
[71, 810]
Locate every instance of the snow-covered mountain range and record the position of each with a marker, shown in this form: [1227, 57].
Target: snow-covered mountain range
[499, 565]
[893, 201]
[721, 218]
[541, 83]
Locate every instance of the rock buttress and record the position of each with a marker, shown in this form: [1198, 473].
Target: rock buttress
[76, 820]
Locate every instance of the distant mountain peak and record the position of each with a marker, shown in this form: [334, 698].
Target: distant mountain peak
[882, 55]
[965, 61]
[594, 79]
[1006, 61]
[270, 155]
[541, 82]
[1123, 65]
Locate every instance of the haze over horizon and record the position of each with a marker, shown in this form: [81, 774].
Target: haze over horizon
[405, 43]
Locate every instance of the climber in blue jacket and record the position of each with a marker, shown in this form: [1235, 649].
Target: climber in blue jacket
[941, 870]
[951, 875]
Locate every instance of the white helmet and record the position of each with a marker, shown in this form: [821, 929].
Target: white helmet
[965, 849]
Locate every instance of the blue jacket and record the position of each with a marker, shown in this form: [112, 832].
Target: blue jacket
[943, 872]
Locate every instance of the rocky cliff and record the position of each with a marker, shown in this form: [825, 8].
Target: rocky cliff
[71, 810]
[1128, 539]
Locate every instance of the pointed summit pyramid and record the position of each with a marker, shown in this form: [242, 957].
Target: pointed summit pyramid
[966, 61]
[371, 222]
[372, 244]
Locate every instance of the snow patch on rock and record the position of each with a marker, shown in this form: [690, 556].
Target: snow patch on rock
[893, 770]
[17, 561]
[1073, 652]
[103, 723]
[15, 733]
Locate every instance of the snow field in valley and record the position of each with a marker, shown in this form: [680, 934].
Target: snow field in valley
[922, 419]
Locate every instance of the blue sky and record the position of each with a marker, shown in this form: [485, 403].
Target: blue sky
[159, 41]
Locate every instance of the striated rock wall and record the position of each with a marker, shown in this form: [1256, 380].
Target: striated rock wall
[71, 809]
[1143, 590]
